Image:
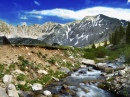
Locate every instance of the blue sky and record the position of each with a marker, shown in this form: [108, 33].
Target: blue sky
[31, 12]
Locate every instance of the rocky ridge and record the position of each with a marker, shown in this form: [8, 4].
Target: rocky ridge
[91, 29]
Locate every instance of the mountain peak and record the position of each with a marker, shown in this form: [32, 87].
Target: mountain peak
[89, 18]
[91, 29]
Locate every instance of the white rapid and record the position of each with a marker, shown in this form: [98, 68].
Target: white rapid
[83, 83]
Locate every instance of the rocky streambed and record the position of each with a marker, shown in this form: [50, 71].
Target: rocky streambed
[81, 83]
[108, 79]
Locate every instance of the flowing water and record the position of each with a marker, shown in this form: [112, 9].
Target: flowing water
[82, 83]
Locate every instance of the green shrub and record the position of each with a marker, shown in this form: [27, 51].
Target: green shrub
[23, 61]
[21, 77]
[89, 55]
[1, 70]
[51, 60]
[59, 74]
[68, 64]
[51, 72]
[23, 87]
[20, 58]
[7, 71]
[1, 67]
[101, 52]
[12, 66]
[23, 68]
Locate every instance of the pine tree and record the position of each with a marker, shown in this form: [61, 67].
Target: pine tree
[105, 43]
[128, 33]
[110, 38]
[121, 32]
[93, 46]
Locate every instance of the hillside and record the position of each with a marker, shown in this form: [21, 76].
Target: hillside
[27, 65]
[36, 55]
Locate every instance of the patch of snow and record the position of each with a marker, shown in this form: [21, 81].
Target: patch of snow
[76, 43]
[81, 36]
[71, 39]
[100, 33]
[100, 20]
[67, 32]
[85, 37]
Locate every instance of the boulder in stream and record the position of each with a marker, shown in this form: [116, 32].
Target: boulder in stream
[82, 72]
[87, 61]
[65, 90]
[47, 93]
[121, 72]
[37, 87]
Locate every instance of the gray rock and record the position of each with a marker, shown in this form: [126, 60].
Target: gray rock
[103, 74]
[11, 91]
[90, 69]
[101, 65]
[83, 66]
[109, 75]
[18, 72]
[33, 74]
[64, 69]
[42, 72]
[108, 70]
[121, 72]
[37, 87]
[47, 93]
[56, 79]
[3, 92]
[82, 72]
[7, 79]
[87, 61]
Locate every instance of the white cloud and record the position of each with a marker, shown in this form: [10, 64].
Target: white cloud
[128, 1]
[37, 3]
[78, 15]
[23, 18]
[38, 17]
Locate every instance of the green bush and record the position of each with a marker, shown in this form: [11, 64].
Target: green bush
[1, 70]
[59, 74]
[68, 64]
[51, 60]
[21, 77]
[23, 87]
[101, 52]
[23, 68]
[89, 55]
[20, 58]
[12, 66]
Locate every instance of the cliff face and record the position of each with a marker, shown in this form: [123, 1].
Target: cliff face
[91, 29]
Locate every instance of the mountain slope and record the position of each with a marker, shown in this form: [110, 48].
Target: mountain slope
[91, 29]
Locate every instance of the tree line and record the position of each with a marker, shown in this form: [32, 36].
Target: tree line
[119, 34]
